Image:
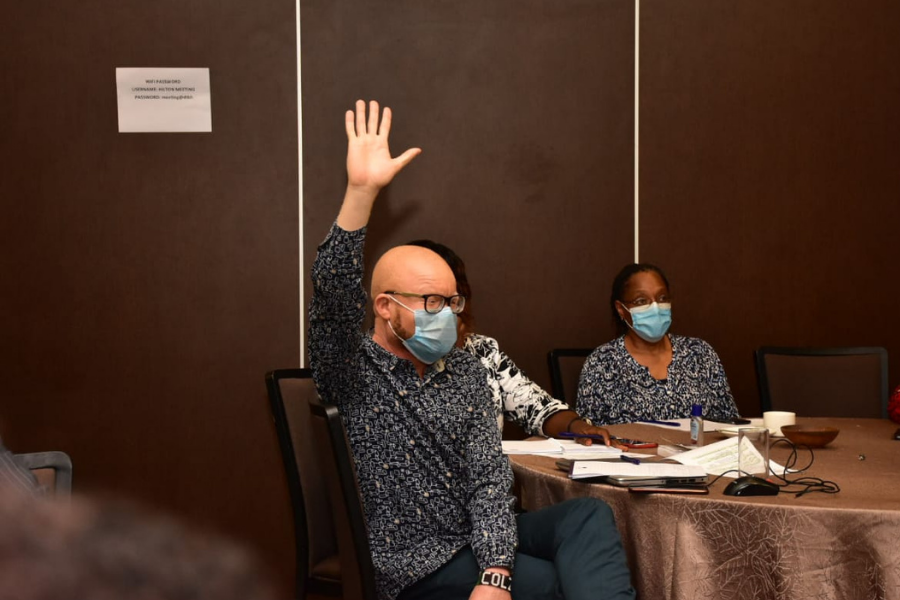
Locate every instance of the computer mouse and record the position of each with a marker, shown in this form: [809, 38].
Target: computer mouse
[751, 486]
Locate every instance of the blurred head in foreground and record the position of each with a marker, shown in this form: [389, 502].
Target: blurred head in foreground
[110, 550]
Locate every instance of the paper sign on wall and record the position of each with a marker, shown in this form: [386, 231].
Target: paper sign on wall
[163, 100]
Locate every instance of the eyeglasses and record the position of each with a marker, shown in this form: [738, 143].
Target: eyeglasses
[435, 303]
[644, 301]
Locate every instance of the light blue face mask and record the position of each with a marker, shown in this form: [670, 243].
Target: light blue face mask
[651, 322]
[435, 333]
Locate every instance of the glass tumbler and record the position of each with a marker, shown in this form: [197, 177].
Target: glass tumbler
[753, 451]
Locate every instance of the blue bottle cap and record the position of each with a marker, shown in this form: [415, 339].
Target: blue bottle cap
[697, 410]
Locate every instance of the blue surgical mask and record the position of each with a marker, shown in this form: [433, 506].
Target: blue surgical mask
[435, 334]
[651, 322]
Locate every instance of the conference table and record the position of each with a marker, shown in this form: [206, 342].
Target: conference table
[815, 546]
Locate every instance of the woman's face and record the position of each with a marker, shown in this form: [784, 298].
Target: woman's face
[642, 289]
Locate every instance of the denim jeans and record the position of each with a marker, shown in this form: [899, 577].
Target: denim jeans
[570, 551]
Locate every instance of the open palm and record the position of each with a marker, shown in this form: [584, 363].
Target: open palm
[369, 162]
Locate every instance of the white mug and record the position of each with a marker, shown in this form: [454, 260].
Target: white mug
[774, 420]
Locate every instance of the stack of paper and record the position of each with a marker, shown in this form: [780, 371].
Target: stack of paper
[587, 468]
[559, 448]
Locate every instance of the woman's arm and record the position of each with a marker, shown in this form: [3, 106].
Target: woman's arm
[523, 401]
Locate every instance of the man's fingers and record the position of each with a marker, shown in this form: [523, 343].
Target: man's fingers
[373, 117]
[348, 124]
[405, 158]
[385, 128]
[360, 118]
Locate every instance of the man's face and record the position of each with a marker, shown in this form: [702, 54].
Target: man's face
[403, 307]
[410, 272]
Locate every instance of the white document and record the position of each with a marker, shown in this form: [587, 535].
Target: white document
[559, 448]
[587, 468]
[573, 448]
[547, 446]
[163, 100]
[719, 457]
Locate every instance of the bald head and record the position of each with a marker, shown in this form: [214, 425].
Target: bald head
[413, 269]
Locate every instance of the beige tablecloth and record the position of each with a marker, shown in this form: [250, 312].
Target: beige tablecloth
[818, 546]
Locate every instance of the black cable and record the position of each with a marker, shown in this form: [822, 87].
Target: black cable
[808, 484]
[721, 475]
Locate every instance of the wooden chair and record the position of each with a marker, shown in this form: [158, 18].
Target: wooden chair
[824, 382]
[317, 563]
[565, 370]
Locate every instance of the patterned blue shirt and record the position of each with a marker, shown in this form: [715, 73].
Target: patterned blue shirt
[427, 450]
[615, 388]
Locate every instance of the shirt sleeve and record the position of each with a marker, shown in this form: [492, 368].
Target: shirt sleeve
[721, 406]
[336, 311]
[522, 401]
[494, 534]
[594, 388]
[15, 477]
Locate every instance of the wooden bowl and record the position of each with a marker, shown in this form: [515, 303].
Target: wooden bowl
[810, 435]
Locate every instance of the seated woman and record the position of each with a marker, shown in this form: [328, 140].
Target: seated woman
[647, 373]
[520, 400]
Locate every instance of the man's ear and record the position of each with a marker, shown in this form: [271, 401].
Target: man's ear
[380, 306]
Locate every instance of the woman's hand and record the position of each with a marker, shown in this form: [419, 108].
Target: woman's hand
[568, 420]
[582, 427]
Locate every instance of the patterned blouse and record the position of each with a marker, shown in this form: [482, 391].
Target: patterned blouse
[518, 398]
[427, 450]
[614, 388]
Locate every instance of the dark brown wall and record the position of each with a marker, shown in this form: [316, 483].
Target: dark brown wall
[770, 173]
[150, 280]
[524, 111]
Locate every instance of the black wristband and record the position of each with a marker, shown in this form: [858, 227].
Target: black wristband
[569, 426]
[494, 579]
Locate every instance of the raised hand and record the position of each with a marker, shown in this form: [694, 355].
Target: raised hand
[369, 163]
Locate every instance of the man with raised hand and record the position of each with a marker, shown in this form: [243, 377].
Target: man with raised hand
[423, 427]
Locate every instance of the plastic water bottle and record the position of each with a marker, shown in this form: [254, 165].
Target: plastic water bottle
[697, 425]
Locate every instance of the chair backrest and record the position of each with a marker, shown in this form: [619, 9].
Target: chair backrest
[290, 391]
[52, 469]
[350, 523]
[565, 370]
[824, 382]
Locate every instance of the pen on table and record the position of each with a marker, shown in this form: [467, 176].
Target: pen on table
[591, 436]
[655, 422]
[631, 459]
